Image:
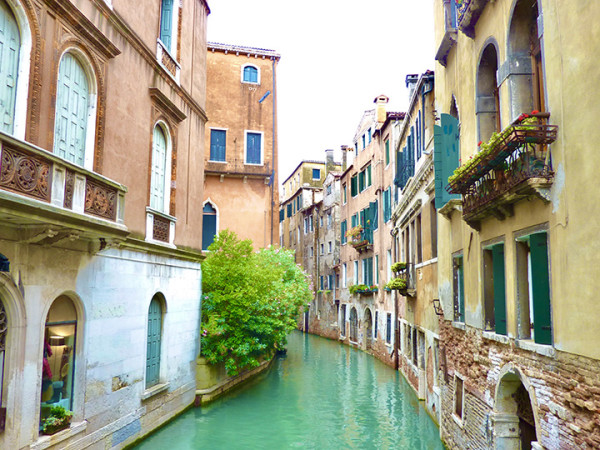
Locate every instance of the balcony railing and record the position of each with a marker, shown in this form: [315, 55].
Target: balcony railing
[363, 240]
[237, 167]
[405, 281]
[517, 166]
[31, 177]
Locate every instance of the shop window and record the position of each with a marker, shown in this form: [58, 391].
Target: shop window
[58, 365]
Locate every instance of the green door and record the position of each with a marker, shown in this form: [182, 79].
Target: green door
[72, 109]
[153, 343]
[10, 43]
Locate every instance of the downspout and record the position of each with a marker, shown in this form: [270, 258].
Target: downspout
[273, 152]
[396, 327]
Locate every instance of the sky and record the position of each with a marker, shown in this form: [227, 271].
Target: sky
[336, 57]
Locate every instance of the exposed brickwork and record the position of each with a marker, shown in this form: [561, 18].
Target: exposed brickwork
[566, 388]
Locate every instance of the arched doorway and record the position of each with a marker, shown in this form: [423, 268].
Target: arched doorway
[58, 364]
[353, 325]
[368, 329]
[488, 98]
[515, 424]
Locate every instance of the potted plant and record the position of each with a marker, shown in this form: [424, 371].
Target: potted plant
[398, 284]
[58, 420]
[398, 267]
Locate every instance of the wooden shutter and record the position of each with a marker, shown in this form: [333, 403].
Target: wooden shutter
[368, 176]
[353, 186]
[157, 182]
[72, 108]
[153, 343]
[217, 145]
[166, 23]
[446, 140]
[344, 229]
[289, 210]
[253, 155]
[387, 152]
[499, 289]
[373, 210]
[540, 277]
[361, 181]
[10, 45]
[281, 215]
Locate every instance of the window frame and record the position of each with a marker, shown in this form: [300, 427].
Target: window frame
[172, 48]
[262, 146]
[210, 157]
[168, 167]
[243, 80]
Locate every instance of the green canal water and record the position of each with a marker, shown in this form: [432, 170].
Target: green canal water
[322, 395]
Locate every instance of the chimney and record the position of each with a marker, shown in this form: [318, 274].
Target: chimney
[381, 101]
[411, 84]
[344, 157]
[329, 165]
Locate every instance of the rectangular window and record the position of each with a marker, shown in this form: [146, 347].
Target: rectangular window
[316, 174]
[289, 210]
[217, 145]
[419, 240]
[328, 189]
[458, 396]
[368, 181]
[369, 135]
[361, 181]
[322, 279]
[377, 270]
[433, 222]
[459, 289]
[388, 329]
[354, 186]
[363, 142]
[344, 275]
[415, 347]
[322, 249]
[330, 284]
[253, 148]
[343, 231]
[330, 246]
[494, 289]
[387, 152]
[355, 272]
[311, 224]
[311, 251]
[344, 196]
[281, 215]
[306, 225]
[329, 221]
[389, 265]
[343, 321]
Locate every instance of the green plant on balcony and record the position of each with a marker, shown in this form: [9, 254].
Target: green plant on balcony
[355, 232]
[398, 266]
[357, 288]
[397, 284]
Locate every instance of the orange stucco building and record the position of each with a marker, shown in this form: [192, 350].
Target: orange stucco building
[240, 177]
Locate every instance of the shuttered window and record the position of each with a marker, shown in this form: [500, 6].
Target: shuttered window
[250, 74]
[281, 215]
[166, 24]
[217, 145]
[10, 44]
[361, 181]
[354, 186]
[387, 152]
[499, 289]
[289, 210]
[72, 109]
[343, 230]
[159, 164]
[446, 157]
[253, 148]
[540, 279]
[153, 343]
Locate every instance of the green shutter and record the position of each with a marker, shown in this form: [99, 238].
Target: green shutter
[461, 290]
[361, 181]
[368, 175]
[289, 210]
[373, 208]
[499, 289]
[387, 152]
[354, 220]
[10, 45]
[446, 140]
[354, 186]
[166, 23]
[281, 215]
[153, 343]
[540, 278]
[344, 229]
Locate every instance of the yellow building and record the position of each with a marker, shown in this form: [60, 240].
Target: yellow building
[240, 170]
[517, 234]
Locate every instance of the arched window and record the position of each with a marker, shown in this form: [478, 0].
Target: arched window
[488, 100]
[58, 364]
[160, 176]
[250, 74]
[10, 44]
[154, 342]
[74, 122]
[209, 225]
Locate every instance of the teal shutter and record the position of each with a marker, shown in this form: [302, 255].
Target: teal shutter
[289, 210]
[499, 289]
[387, 152]
[353, 186]
[72, 108]
[354, 221]
[370, 271]
[368, 176]
[281, 215]
[374, 210]
[166, 23]
[153, 343]
[157, 182]
[540, 278]
[344, 229]
[217, 145]
[10, 45]
[361, 181]
[446, 141]
[253, 148]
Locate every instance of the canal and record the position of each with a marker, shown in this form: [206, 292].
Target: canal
[322, 395]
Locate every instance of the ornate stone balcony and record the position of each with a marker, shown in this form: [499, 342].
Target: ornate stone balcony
[38, 188]
[237, 168]
[469, 12]
[516, 167]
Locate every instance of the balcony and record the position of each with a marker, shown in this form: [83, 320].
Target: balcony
[237, 168]
[469, 12]
[515, 165]
[405, 281]
[53, 199]
[361, 238]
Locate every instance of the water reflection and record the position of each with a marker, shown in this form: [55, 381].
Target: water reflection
[322, 395]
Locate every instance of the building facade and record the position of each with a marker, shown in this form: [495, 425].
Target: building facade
[101, 143]
[240, 170]
[519, 355]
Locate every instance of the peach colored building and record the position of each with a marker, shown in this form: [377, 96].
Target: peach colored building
[240, 171]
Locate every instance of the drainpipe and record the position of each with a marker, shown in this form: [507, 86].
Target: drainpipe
[273, 152]
[396, 327]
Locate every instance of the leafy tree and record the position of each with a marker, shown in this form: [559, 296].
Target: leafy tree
[250, 301]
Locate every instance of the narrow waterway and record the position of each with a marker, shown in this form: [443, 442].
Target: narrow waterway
[322, 395]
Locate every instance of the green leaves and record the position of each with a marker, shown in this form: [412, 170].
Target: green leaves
[250, 301]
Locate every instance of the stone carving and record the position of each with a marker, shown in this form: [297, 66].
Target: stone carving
[169, 63]
[25, 174]
[69, 187]
[100, 200]
[160, 229]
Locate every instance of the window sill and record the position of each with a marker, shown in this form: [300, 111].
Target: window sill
[458, 420]
[252, 83]
[253, 164]
[492, 336]
[217, 161]
[49, 441]
[155, 390]
[459, 325]
[540, 349]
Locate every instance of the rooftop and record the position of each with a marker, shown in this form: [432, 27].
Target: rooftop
[241, 49]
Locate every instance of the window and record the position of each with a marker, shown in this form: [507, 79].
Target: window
[250, 74]
[355, 272]
[160, 181]
[343, 231]
[494, 289]
[433, 224]
[377, 270]
[344, 275]
[168, 25]
[459, 289]
[387, 205]
[388, 329]
[330, 246]
[289, 210]
[312, 227]
[209, 224]
[354, 186]
[344, 194]
[329, 221]
[369, 136]
[361, 181]
[459, 393]
[322, 282]
[322, 249]
[328, 189]
[368, 176]
[311, 252]
[376, 324]
[153, 343]
[487, 101]
[306, 225]
[533, 288]
[363, 142]
[75, 114]
[387, 152]
[330, 283]
[217, 145]
[353, 325]
[367, 264]
[60, 348]
[419, 238]
[316, 174]
[389, 264]
[343, 321]
[281, 215]
[253, 147]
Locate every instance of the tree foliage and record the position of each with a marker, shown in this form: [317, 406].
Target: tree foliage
[250, 301]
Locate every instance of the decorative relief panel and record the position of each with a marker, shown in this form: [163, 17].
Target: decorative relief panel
[69, 187]
[160, 229]
[100, 200]
[168, 62]
[25, 174]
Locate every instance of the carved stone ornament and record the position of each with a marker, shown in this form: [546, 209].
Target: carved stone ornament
[160, 229]
[69, 187]
[25, 174]
[169, 63]
[100, 200]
